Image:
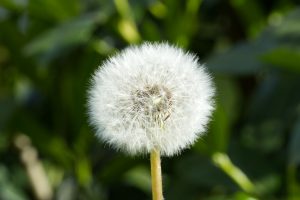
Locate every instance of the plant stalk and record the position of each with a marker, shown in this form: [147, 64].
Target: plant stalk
[237, 175]
[156, 177]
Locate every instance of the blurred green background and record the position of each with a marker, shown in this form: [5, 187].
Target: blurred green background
[50, 48]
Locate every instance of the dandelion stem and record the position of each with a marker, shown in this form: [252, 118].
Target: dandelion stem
[157, 193]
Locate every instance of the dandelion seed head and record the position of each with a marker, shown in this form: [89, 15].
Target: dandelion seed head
[153, 96]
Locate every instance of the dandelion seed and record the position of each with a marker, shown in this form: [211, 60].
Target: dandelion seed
[151, 97]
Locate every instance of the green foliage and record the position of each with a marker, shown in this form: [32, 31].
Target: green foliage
[50, 48]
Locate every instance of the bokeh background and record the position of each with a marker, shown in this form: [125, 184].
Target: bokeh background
[50, 48]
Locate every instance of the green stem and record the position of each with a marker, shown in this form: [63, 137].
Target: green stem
[240, 178]
[156, 178]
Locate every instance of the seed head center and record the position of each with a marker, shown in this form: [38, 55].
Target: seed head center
[154, 101]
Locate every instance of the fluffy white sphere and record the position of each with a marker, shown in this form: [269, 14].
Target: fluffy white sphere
[153, 96]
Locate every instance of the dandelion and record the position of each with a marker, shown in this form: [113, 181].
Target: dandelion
[154, 98]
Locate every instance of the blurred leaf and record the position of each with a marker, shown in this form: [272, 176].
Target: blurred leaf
[115, 168]
[102, 47]
[194, 176]
[225, 114]
[223, 162]
[192, 6]
[268, 184]
[126, 25]
[129, 31]
[252, 21]
[219, 132]
[150, 31]
[13, 5]
[66, 190]
[290, 26]
[93, 191]
[242, 59]
[266, 136]
[294, 147]
[139, 177]
[243, 196]
[7, 108]
[284, 57]
[54, 173]
[52, 145]
[197, 170]
[54, 9]
[293, 186]
[158, 9]
[71, 33]
[4, 53]
[274, 98]
[294, 161]
[83, 169]
[8, 189]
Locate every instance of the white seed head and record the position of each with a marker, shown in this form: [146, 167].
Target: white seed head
[153, 96]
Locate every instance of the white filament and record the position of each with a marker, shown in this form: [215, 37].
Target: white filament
[153, 96]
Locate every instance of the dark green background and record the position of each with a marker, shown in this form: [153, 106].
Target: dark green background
[50, 48]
